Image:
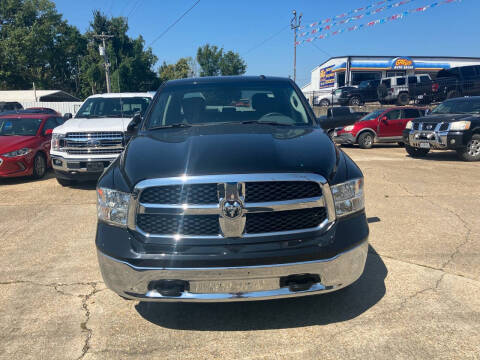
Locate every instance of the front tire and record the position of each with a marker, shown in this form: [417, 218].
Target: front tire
[355, 101]
[472, 151]
[365, 140]
[403, 99]
[324, 102]
[416, 152]
[39, 166]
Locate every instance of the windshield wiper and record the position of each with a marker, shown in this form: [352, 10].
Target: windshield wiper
[265, 122]
[179, 125]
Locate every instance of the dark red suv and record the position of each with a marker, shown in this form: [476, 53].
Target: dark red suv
[25, 143]
[382, 125]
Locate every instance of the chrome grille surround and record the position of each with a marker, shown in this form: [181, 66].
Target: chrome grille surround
[231, 189]
[99, 142]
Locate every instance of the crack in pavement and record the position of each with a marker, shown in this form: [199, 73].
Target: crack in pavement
[83, 325]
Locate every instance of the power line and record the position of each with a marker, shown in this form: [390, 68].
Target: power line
[267, 39]
[323, 51]
[134, 8]
[174, 23]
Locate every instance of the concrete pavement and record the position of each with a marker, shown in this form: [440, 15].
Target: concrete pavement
[418, 298]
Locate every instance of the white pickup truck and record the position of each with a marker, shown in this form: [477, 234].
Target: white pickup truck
[87, 143]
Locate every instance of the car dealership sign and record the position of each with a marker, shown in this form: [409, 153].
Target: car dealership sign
[403, 63]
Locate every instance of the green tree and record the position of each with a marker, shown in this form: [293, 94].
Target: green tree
[36, 45]
[131, 64]
[182, 69]
[209, 58]
[232, 64]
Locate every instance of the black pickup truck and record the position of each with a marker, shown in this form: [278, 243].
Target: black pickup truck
[214, 202]
[457, 82]
[339, 116]
[356, 96]
[452, 125]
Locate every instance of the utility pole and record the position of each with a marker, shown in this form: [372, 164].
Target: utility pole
[294, 25]
[103, 52]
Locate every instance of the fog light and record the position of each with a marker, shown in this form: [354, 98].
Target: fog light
[452, 141]
[57, 162]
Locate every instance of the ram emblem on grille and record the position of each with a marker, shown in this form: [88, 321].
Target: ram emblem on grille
[232, 221]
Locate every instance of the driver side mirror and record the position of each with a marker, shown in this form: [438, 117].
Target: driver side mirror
[48, 132]
[384, 119]
[67, 116]
[134, 123]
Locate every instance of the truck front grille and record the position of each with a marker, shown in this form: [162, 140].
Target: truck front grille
[104, 143]
[231, 205]
[284, 220]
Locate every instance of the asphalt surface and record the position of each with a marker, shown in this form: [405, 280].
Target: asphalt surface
[419, 297]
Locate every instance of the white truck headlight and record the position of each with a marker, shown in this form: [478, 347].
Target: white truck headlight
[348, 197]
[20, 152]
[112, 206]
[460, 125]
[57, 141]
[348, 128]
[409, 125]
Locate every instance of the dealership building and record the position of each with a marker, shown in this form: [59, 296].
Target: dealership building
[351, 70]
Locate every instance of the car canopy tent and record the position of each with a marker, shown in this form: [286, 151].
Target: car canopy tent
[37, 96]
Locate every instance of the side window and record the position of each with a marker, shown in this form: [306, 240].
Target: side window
[394, 114]
[387, 82]
[401, 81]
[410, 113]
[424, 79]
[51, 123]
[468, 71]
[412, 79]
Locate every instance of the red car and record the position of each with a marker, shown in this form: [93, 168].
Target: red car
[25, 143]
[382, 125]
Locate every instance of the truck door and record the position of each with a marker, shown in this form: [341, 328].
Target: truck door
[468, 80]
[390, 123]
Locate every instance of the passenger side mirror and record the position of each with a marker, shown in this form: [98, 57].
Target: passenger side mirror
[384, 119]
[67, 116]
[134, 123]
[48, 132]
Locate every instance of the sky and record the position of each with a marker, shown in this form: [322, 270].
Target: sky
[260, 30]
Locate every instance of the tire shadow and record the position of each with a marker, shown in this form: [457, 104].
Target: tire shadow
[338, 306]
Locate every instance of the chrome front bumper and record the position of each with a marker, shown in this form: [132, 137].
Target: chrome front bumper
[60, 163]
[436, 139]
[234, 283]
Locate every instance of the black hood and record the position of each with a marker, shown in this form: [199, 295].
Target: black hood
[433, 118]
[228, 149]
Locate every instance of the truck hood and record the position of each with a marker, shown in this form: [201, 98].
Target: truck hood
[12, 143]
[96, 124]
[228, 149]
[445, 118]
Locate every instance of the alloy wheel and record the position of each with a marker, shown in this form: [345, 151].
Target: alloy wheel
[473, 147]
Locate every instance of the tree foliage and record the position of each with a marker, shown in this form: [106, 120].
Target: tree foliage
[213, 61]
[182, 69]
[36, 45]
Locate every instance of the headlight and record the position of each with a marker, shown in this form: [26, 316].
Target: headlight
[57, 141]
[460, 125]
[348, 197]
[409, 125]
[20, 152]
[112, 206]
[348, 128]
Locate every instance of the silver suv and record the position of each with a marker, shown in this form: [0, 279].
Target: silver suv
[401, 89]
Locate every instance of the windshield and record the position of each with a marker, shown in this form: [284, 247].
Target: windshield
[186, 105]
[372, 115]
[363, 84]
[99, 107]
[468, 106]
[19, 127]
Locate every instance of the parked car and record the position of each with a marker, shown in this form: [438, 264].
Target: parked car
[10, 106]
[402, 89]
[85, 145]
[25, 143]
[457, 82]
[355, 96]
[342, 115]
[452, 125]
[206, 205]
[380, 126]
[328, 97]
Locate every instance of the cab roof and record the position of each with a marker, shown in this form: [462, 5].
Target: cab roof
[227, 79]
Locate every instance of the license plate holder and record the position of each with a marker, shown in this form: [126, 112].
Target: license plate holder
[424, 145]
[95, 166]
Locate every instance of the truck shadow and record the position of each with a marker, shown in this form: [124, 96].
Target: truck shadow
[441, 156]
[324, 309]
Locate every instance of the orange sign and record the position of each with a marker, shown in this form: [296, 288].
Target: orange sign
[403, 64]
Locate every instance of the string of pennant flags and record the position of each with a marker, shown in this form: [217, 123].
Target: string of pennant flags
[330, 23]
[384, 20]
